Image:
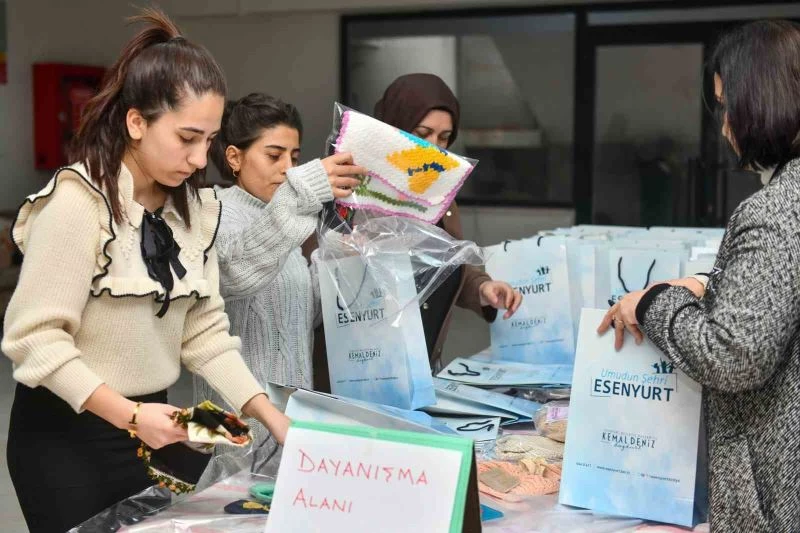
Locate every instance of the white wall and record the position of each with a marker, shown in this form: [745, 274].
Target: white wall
[294, 57]
[79, 31]
[287, 47]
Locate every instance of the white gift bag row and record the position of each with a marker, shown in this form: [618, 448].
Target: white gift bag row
[563, 271]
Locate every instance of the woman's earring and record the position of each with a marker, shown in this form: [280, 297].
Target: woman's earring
[236, 174]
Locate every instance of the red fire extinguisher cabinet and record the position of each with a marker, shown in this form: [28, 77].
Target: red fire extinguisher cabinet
[60, 92]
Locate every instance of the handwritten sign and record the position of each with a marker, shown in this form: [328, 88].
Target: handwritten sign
[348, 479]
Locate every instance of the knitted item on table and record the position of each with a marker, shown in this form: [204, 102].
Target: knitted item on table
[246, 507]
[408, 176]
[541, 467]
[529, 484]
[499, 479]
[516, 447]
[551, 420]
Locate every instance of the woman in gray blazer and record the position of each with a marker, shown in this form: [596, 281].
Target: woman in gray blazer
[738, 331]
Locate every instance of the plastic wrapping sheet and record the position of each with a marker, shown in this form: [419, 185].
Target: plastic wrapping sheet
[542, 394]
[155, 509]
[543, 514]
[128, 512]
[203, 513]
[382, 241]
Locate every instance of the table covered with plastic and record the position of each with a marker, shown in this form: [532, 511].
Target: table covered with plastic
[153, 510]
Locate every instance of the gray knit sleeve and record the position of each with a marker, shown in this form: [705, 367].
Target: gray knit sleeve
[251, 256]
[735, 338]
[317, 311]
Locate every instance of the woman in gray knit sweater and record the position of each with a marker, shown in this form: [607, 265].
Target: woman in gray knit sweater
[269, 211]
[739, 335]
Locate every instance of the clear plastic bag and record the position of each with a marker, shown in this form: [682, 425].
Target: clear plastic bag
[156, 509]
[551, 420]
[433, 253]
[408, 176]
[541, 394]
[128, 512]
[373, 278]
[375, 231]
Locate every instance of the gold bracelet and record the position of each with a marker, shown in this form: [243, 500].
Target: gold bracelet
[132, 431]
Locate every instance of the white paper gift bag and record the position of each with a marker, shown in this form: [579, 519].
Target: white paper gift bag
[623, 269]
[541, 331]
[373, 331]
[633, 433]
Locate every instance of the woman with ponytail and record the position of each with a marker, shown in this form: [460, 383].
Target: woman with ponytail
[119, 286]
[267, 214]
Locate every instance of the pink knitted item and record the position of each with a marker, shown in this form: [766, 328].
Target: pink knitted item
[530, 484]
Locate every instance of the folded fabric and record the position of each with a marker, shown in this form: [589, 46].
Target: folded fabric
[516, 447]
[263, 492]
[541, 467]
[246, 507]
[499, 480]
[529, 484]
[408, 176]
[211, 425]
[179, 466]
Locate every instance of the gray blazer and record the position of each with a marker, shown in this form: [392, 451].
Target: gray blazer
[742, 343]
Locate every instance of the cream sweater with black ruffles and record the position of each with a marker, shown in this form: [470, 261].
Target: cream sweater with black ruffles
[84, 311]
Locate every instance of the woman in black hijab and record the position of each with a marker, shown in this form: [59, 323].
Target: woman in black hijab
[422, 104]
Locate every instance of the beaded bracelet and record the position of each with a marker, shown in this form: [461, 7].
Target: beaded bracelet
[132, 431]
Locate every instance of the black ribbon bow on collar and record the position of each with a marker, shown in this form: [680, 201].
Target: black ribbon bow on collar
[160, 251]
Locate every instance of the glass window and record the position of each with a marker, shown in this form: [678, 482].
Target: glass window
[514, 77]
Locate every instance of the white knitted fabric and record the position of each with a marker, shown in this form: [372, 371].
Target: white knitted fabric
[408, 176]
[270, 297]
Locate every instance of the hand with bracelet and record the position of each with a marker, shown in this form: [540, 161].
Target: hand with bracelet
[155, 425]
[152, 423]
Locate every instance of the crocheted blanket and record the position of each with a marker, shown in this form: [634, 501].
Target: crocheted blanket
[408, 176]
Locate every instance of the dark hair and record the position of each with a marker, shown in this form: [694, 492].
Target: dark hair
[759, 64]
[243, 123]
[156, 70]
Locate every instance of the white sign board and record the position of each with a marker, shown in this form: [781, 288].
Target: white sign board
[350, 479]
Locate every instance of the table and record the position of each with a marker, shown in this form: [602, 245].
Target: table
[203, 513]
